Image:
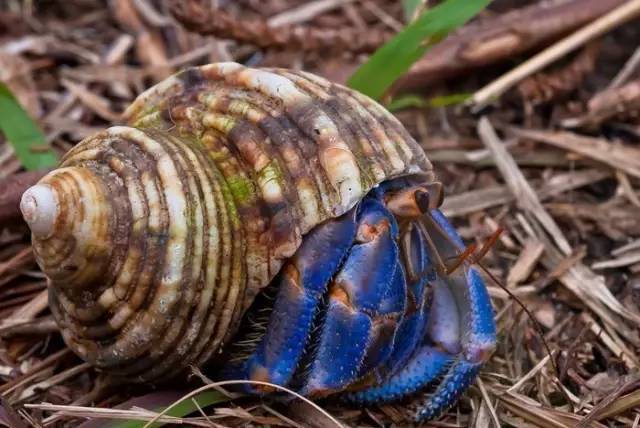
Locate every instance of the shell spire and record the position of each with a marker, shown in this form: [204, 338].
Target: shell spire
[67, 210]
[157, 236]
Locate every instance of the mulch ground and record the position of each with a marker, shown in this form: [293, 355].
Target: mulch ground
[555, 165]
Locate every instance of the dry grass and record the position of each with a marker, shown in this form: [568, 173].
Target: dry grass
[567, 198]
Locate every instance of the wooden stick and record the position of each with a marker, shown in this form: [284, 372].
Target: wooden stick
[499, 38]
[613, 19]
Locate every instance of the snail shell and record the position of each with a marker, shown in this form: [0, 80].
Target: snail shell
[157, 236]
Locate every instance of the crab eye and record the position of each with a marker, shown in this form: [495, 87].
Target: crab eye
[423, 200]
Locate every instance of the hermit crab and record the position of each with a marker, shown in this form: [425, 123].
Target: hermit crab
[160, 237]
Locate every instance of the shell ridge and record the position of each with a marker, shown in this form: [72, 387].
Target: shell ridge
[343, 125]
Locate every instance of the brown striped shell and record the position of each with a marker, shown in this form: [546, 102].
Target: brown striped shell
[156, 236]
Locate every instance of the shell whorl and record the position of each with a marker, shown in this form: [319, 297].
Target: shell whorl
[157, 236]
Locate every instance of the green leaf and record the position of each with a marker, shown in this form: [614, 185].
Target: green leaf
[416, 101]
[393, 59]
[184, 408]
[449, 100]
[407, 101]
[24, 135]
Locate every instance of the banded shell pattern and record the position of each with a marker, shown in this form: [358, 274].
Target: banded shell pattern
[157, 236]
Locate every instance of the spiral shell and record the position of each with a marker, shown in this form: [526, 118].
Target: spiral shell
[157, 236]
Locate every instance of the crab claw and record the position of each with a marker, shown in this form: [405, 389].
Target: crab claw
[461, 321]
[460, 333]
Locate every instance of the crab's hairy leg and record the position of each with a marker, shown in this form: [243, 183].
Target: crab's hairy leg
[469, 302]
[302, 283]
[424, 367]
[395, 298]
[458, 377]
[354, 300]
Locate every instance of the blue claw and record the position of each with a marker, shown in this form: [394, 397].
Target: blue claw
[444, 317]
[477, 328]
[479, 337]
[355, 298]
[469, 333]
[370, 266]
[303, 282]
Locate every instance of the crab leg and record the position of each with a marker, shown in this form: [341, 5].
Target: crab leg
[355, 331]
[424, 367]
[468, 302]
[302, 284]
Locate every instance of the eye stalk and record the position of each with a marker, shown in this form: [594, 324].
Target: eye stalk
[415, 201]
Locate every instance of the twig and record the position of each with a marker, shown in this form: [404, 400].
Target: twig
[487, 401]
[615, 102]
[305, 12]
[630, 385]
[28, 311]
[281, 416]
[500, 38]
[150, 14]
[627, 188]
[43, 325]
[481, 199]
[613, 19]
[590, 288]
[627, 70]
[535, 413]
[524, 379]
[622, 404]
[517, 183]
[13, 417]
[546, 87]
[33, 371]
[633, 245]
[244, 382]
[53, 380]
[622, 157]
[199, 17]
[617, 347]
[525, 263]
[12, 267]
[94, 412]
